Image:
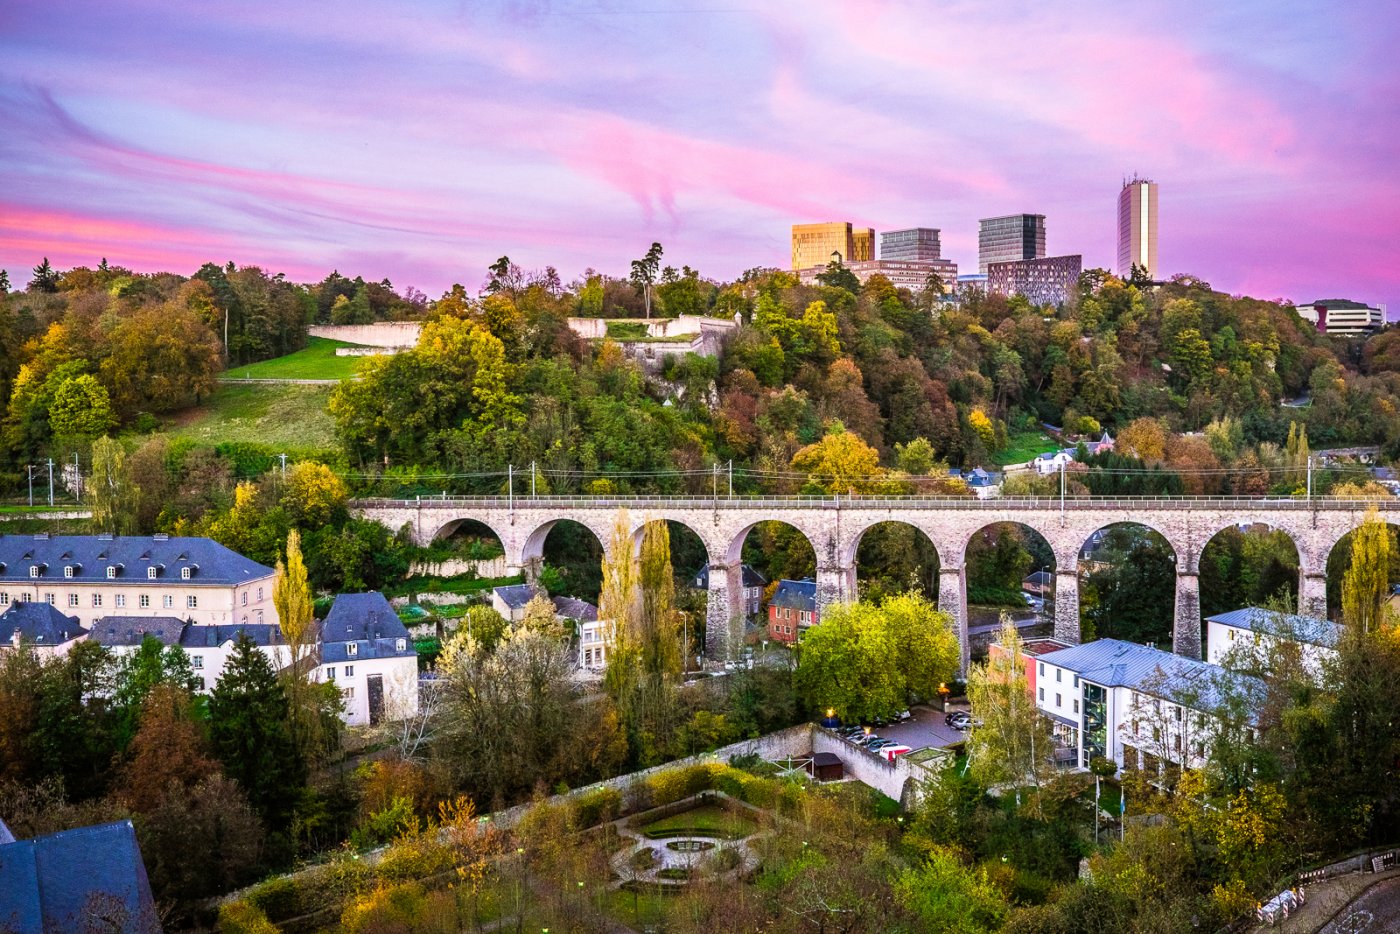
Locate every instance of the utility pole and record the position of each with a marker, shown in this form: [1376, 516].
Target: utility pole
[731, 478]
[77, 479]
[1309, 476]
[284, 465]
[30, 469]
[1062, 490]
[510, 486]
[50, 481]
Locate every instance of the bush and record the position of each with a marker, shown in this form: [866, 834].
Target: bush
[242, 918]
[277, 898]
[596, 807]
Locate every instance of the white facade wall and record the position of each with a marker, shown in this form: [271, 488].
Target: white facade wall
[1222, 640]
[595, 642]
[89, 601]
[399, 676]
[209, 661]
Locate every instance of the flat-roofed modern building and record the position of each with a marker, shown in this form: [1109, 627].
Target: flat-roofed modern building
[1342, 316]
[1137, 227]
[813, 244]
[906, 275]
[1009, 239]
[92, 576]
[1052, 280]
[915, 245]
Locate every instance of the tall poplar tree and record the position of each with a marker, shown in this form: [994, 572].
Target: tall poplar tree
[1366, 583]
[291, 597]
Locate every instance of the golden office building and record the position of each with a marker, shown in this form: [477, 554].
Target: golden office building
[813, 244]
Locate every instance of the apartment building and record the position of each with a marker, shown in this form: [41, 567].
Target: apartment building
[365, 650]
[1240, 637]
[92, 576]
[208, 645]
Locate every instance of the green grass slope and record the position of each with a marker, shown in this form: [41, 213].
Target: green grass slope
[316, 361]
[292, 416]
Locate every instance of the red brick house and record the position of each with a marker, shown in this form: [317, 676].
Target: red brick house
[792, 610]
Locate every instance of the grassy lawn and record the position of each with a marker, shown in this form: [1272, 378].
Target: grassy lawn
[705, 820]
[57, 506]
[1024, 445]
[636, 909]
[316, 361]
[294, 416]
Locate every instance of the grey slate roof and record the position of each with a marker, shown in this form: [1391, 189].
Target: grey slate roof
[1308, 629]
[575, 609]
[517, 595]
[91, 555]
[750, 577]
[368, 621]
[63, 881]
[132, 630]
[799, 595]
[38, 624]
[1115, 663]
[209, 635]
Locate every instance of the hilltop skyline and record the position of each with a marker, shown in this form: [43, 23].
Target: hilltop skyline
[421, 145]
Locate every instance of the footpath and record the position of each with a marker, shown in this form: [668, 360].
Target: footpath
[1326, 899]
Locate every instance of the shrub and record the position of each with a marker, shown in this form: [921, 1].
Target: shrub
[381, 826]
[243, 918]
[597, 806]
[277, 898]
[398, 907]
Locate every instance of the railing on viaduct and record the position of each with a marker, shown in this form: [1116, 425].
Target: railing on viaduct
[834, 526]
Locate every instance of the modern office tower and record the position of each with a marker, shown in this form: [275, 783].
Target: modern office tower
[1010, 239]
[813, 244]
[1137, 227]
[916, 245]
[1050, 280]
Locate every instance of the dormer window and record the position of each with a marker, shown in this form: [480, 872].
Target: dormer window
[34, 570]
[186, 573]
[151, 573]
[352, 648]
[400, 645]
[112, 572]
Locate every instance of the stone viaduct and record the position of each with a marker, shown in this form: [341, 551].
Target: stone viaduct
[834, 526]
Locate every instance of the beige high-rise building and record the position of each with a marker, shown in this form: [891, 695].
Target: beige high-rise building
[1137, 227]
[813, 244]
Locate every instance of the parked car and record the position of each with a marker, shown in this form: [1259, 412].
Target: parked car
[897, 749]
[902, 716]
[958, 719]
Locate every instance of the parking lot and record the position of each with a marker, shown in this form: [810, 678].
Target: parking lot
[925, 729]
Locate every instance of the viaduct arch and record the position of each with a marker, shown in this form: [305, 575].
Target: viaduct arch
[834, 526]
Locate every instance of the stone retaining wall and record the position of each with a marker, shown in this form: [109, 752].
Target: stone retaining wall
[392, 334]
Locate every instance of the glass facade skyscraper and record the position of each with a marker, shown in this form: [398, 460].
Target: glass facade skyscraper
[915, 245]
[1010, 239]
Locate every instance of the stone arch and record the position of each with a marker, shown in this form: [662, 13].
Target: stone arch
[1213, 588]
[450, 526]
[850, 553]
[734, 550]
[532, 548]
[1159, 583]
[1335, 561]
[1061, 565]
[641, 522]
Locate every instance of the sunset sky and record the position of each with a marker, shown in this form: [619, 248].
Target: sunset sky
[420, 141]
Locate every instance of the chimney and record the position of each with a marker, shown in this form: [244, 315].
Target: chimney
[14, 639]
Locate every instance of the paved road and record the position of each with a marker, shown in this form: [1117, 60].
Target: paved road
[1376, 911]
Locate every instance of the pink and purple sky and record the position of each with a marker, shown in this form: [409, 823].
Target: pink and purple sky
[420, 141]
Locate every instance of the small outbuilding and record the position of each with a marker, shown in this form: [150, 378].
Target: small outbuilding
[826, 767]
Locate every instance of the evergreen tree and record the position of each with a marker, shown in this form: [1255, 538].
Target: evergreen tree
[45, 278]
[248, 729]
[148, 666]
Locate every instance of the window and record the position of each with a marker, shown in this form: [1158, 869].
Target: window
[1076, 710]
[196, 662]
[34, 570]
[349, 671]
[245, 619]
[1176, 743]
[1178, 713]
[168, 601]
[4, 599]
[1041, 693]
[1232, 634]
[260, 595]
[257, 617]
[245, 598]
[111, 573]
[1200, 750]
[1156, 734]
[97, 599]
[400, 645]
[49, 599]
[150, 574]
[185, 573]
[352, 648]
[1058, 701]
[1076, 680]
[1042, 669]
[1058, 672]
[201, 684]
[1137, 728]
[350, 693]
[144, 601]
[191, 602]
[72, 599]
[68, 570]
[121, 600]
[330, 673]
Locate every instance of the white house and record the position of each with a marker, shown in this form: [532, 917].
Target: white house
[366, 651]
[1052, 461]
[595, 642]
[1137, 705]
[92, 576]
[208, 646]
[1255, 630]
[41, 627]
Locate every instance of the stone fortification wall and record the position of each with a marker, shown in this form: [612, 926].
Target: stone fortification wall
[392, 335]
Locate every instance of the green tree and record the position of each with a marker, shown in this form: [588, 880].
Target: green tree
[837, 276]
[152, 664]
[81, 409]
[846, 664]
[840, 462]
[1011, 745]
[291, 598]
[946, 896]
[1366, 584]
[112, 493]
[313, 495]
[248, 717]
[928, 654]
[644, 272]
[45, 278]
